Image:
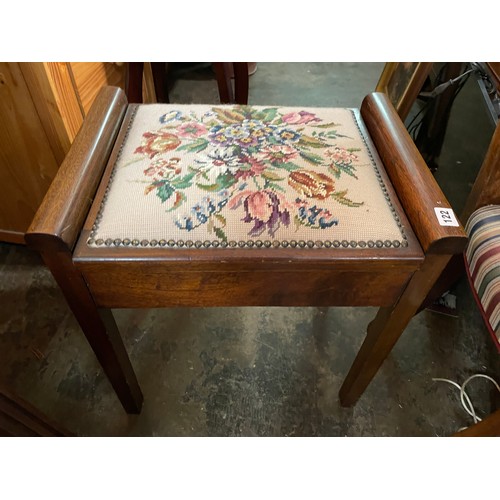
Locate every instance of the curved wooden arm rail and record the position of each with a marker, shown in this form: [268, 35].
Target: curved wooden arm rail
[414, 183]
[95, 279]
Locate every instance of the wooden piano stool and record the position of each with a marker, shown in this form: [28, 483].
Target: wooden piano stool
[165, 205]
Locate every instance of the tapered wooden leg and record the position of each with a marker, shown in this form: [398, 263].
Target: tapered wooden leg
[384, 331]
[99, 327]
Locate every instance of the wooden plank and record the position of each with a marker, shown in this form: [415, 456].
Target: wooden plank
[45, 103]
[253, 283]
[90, 77]
[65, 96]
[16, 237]
[27, 163]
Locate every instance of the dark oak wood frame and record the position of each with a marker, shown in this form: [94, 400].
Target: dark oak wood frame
[96, 280]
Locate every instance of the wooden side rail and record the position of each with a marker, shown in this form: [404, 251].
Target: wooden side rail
[67, 202]
[414, 184]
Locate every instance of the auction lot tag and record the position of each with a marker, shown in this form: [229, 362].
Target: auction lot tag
[446, 216]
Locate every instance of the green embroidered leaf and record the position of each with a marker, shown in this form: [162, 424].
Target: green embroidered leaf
[229, 116]
[221, 219]
[341, 198]
[266, 115]
[209, 187]
[272, 176]
[297, 222]
[289, 166]
[245, 109]
[195, 147]
[334, 135]
[347, 168]
[165, 191]
[222, 182]
[220, 233]
[333, 169]
[312, 142]
[327, 125]
[311, 158]
[276, 187]
[183, 182]
[180, 198]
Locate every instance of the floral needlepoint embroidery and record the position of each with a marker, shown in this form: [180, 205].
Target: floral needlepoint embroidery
[200, 176]
[247, 160]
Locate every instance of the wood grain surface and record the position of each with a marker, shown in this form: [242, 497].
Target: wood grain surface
[68, 200]
[415, 185]
[27, 163]
[89, 77]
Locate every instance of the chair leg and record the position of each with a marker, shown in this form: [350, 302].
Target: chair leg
[223, 75]
[133, 82]
[160, 81]
[241, 82]
[384, 331]
[99, 327]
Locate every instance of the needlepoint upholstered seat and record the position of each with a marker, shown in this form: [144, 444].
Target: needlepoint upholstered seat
[199, 205]
[246, 177]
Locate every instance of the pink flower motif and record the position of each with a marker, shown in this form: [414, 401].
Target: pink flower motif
[156, 168]
[256, 167]
[264, 208]
[341, 155]
[277, 153]
[160, 167]
[192, 130]
[301, 117]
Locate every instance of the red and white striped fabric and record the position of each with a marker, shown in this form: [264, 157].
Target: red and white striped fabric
[482, 259]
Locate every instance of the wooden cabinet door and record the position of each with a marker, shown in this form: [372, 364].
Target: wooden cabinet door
[27, 162]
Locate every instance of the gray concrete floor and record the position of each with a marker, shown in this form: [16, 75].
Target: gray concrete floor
[256, 371]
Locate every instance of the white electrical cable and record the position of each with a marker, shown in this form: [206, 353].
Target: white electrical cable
[469, 410]
[464, 398]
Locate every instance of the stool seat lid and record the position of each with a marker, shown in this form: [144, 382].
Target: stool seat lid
[247, 176]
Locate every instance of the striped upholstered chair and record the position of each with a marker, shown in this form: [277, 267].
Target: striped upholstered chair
[482, 257]
[483, 265]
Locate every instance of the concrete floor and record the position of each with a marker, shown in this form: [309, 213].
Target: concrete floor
[256, 371]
